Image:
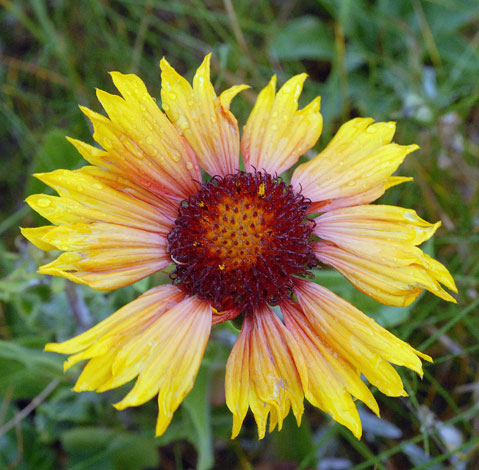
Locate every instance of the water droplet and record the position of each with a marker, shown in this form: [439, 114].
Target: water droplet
[189, 165]
[371, 130]
[143, 107]
[43, 202]
[172, 96]
[176, 156]
[182, 123]
[149, 140]
[166, 107]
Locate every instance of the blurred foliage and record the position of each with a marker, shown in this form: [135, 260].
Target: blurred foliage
[413, 61]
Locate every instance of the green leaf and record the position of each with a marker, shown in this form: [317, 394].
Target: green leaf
[303, 38]
[27, 370]
[50, 364]
[301, 436]
[197, 405]
[55, 152]
[93, 447]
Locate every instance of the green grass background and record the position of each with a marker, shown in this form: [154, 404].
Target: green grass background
[412, 61]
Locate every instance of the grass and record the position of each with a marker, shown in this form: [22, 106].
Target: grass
[415, 62]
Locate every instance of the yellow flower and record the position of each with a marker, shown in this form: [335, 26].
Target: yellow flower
[240, 242]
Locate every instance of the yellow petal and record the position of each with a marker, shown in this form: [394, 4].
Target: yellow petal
[96, 372]
[374, 224]
[358, 199]
[374, 246]
[237, 381]
[159, 338]
[331, 378]
[91, 154]
[319, 349]
[261, 373]
[85, 198]
[276, 133]
[165, 205]
[357, 338]
[36, 236]
[103, 256]
[359, 158]
[398, 285]
[140, 141]
[134, 313]
[202, 118]
[174, 345]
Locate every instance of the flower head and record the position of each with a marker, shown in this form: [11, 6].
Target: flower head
[240, 242]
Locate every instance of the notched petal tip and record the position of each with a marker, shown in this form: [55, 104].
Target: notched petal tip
[411, 148]
[272, 83]
[277, 133]
[312, 108]
[227, 96]
[237, 424]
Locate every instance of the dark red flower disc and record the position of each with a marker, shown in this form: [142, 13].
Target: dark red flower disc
[238, 242]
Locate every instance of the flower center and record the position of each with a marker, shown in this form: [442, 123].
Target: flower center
[239, 240]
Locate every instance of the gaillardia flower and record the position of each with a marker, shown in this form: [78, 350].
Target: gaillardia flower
[240, 242]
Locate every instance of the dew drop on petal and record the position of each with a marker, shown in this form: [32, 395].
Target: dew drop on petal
[44, 202]
[176, 156]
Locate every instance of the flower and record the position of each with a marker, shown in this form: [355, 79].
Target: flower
[240, 242]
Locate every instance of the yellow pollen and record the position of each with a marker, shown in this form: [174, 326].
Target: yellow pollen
[201, 204]
[261, 190]
[221, 266]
